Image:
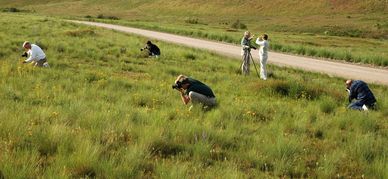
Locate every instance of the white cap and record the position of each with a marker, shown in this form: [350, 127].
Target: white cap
[26, 42]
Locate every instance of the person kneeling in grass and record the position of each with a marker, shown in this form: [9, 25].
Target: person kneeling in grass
[36, 55]
[194, 91]
[360, 91]
[152, 49]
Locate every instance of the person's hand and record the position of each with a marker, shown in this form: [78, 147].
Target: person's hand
[254, 48]
[182, 91]
[24, 54]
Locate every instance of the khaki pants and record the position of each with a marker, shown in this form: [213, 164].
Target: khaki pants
[245, 62]
[200, 98]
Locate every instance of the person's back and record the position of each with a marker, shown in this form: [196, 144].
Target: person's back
[199, 87]
[154, 49]
[359, 90]
[36, 53]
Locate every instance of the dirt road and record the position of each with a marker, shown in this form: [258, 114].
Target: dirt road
[368, 74]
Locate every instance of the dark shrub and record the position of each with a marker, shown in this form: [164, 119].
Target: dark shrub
[238, 25]
[165, 149]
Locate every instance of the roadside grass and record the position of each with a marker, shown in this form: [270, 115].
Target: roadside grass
[349, 49]
[104, 110]
[351, 31]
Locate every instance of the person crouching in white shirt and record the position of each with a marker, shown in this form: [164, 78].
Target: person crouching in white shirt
[35, 54]
[263, 55]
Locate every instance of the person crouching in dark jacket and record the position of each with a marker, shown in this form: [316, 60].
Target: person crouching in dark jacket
[364, 98]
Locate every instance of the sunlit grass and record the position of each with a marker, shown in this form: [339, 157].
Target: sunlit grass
[103, 110]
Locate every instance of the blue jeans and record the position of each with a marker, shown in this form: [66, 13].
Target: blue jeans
[357, 105]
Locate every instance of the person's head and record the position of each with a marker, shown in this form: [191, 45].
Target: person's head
[149, 42]
[348, 83]
[247, 34]
[27, 45]
[182, 82]
[265, 36]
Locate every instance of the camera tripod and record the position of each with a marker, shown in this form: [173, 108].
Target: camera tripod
[246, 58]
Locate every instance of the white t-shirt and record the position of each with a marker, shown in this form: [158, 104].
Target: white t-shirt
[35, 53]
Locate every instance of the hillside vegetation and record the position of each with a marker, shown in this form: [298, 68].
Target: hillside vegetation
[351, 31]
[339, 16]
[215, 7]
[105, 110]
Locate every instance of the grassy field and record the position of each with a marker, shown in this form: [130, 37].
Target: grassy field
[352, 31]
[105, 110]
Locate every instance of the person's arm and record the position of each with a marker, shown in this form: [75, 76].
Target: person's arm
[31, 57]
[260, 42]
[184, 97]
[352, 94]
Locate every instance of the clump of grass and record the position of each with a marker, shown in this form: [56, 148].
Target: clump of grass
[165, 149]
[83, 172]
[238, 25]
[102, 16]
[190, 56]
[192, 20]
[301, 50]
[80, 32]
[327, 106]
[294, 90]
[11, 9]
[325, 53]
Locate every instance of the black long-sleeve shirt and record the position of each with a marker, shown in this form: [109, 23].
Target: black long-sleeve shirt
[359, 90]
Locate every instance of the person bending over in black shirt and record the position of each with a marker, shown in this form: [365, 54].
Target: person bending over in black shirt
[194, 91]
[152, 49]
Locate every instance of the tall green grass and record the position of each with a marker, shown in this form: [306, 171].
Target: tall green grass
[104, 110]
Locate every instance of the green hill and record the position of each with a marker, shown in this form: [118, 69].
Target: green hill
[104, 110]
[348, 30]
[206, 8]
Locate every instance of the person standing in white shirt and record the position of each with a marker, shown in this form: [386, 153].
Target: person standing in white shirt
[35, 54]
[263, 55]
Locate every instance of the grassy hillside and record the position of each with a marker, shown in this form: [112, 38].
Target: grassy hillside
[104, 110]
[306, 15]
[352, 31]
[226, 7]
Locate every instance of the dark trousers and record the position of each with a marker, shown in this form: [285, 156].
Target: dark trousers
[357, 105]
[41, 62]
